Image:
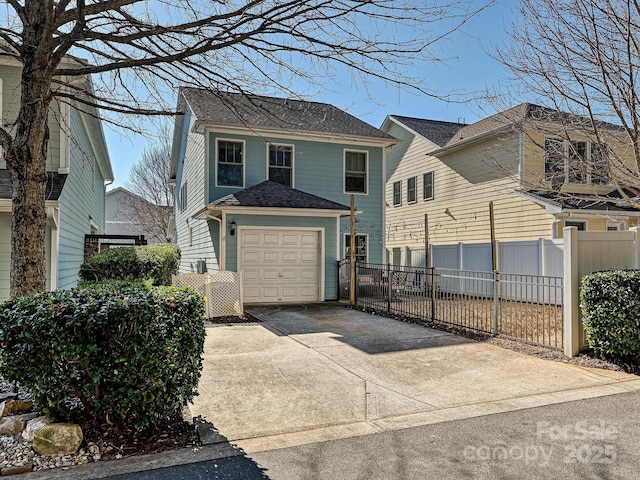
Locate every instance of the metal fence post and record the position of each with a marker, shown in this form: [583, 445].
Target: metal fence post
[496, 295]
[433, 293]
[389, 287]
[355, 284]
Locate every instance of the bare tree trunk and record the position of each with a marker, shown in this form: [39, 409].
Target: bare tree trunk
[26, 159]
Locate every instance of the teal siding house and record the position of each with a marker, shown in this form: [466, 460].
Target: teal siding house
[78, 168]
[263, 187]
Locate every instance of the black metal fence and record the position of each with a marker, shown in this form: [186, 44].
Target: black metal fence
[524, 307]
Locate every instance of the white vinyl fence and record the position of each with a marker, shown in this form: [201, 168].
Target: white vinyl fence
[528, 257]
[576, 255]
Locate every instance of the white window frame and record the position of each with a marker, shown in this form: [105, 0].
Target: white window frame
[366, 245]
[344, 171]
[567, 154]
[183, 196]
[393, 193]
[574, 223]
[244, 161]
[415, 190]
[615, 225]
[293, 156]
[424, 197]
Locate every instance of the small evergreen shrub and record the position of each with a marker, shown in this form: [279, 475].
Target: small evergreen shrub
[131, 355]
[610, 303]
[154, 262]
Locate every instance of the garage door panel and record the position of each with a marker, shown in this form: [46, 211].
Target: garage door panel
[270, 239]
[250, 238]
[271, 256]
[290, 239]
[308, 239]
[308, 257]
[251, 275]
[289, 257]
[270, 274]
[307, 293]
[280, 265]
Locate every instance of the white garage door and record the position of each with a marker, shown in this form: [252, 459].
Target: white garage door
[279, 265]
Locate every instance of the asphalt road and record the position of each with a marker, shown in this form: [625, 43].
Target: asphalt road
[596, 438]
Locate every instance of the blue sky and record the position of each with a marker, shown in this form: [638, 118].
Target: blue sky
[468, 69]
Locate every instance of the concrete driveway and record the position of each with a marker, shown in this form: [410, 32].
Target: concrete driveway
[322, 372]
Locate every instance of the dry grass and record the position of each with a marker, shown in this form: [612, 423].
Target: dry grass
[531, 322]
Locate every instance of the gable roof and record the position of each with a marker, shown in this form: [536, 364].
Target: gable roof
[55, 184]
[259, 112]
[436, 131]
[610, 202]
[512, 117]
[270, 194]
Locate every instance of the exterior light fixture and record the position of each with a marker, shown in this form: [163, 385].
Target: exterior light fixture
[232, 228]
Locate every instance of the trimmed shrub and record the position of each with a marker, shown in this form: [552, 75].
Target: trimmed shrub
[610, 304]
[131, 355]
[153, 262]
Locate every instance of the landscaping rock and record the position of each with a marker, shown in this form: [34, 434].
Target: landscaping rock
[6, 471]
[9, 407]
[15, 424]
[58, 439]
[34, 425]
[8, 395]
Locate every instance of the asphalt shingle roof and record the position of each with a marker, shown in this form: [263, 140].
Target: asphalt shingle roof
[220, 108]
[520, 113]
[55, 183]
[439, 132]
[612, 201]
[272, 194]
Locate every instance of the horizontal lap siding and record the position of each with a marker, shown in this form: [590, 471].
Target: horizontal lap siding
[83, 196]
[319, 170]
[204, 234]
[464, 183]
[11, 78]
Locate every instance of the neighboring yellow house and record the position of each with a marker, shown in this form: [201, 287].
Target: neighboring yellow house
[521, 159]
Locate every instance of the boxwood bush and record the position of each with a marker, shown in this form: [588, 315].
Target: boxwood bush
[610, 303]
[154, 262]
[131, 355]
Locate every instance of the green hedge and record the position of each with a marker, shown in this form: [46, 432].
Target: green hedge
[154, 262]
[131, 355]
[610, 304]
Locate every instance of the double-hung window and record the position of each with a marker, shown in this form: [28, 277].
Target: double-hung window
[574, 161]
[412, 189]
[397, 193]
[230, 163]
[427, 186]
[281, 164]
[360, 247]
[554, 160]
[355, 171]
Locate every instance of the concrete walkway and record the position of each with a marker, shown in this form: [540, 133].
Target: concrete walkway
[322, 372]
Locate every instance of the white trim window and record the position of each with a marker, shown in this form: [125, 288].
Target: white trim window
[574, 161]
[356, 165]
[397, 194]
[579, 224]
[412, 189]
[182, 199]
[229, 163]
[280, 164]
[362, 252]
[427, 186]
